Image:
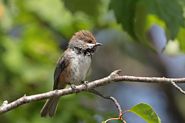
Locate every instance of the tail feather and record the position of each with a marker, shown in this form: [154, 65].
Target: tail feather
[49, 107]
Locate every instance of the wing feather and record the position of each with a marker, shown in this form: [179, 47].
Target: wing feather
[60, 67]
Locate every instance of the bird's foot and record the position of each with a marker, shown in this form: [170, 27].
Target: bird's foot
[73, 87]
[85, 83]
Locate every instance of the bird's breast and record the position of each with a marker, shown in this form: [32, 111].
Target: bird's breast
[79, 67]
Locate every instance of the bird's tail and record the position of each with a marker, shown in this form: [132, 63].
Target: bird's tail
[49, 107]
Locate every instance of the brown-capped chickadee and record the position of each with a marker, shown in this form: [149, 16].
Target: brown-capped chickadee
[72, 67]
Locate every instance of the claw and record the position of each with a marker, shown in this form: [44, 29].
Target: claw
[73, 87]
[85, 83]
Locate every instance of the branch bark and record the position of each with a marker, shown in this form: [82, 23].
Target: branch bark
[113, 77]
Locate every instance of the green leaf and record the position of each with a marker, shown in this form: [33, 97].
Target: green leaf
[137, 16]
[124, 11]
[181, 38]
[146, 112]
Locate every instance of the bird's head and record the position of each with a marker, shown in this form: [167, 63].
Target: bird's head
[84, 40]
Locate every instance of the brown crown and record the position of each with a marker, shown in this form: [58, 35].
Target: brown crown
[85, 36]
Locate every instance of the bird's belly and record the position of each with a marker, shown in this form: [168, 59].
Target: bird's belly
[79, 67]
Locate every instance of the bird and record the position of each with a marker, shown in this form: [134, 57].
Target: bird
[72, 67]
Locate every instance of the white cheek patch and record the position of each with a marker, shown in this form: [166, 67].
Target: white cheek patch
[90, 45]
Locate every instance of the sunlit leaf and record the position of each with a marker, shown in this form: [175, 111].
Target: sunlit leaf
[146, 112]
[181, 39]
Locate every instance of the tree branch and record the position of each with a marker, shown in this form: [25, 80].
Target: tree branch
[113, 77]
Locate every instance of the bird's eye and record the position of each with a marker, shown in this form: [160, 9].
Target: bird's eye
[89, 41]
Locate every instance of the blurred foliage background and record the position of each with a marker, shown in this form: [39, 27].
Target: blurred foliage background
[144, 38]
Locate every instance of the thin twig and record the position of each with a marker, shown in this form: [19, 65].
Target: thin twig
[120, 111]
[178, 88]
[113, 77]
[118, 106]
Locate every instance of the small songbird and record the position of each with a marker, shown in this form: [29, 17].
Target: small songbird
[72, 67]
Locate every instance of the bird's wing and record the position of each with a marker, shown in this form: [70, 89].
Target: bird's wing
[61, 65]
